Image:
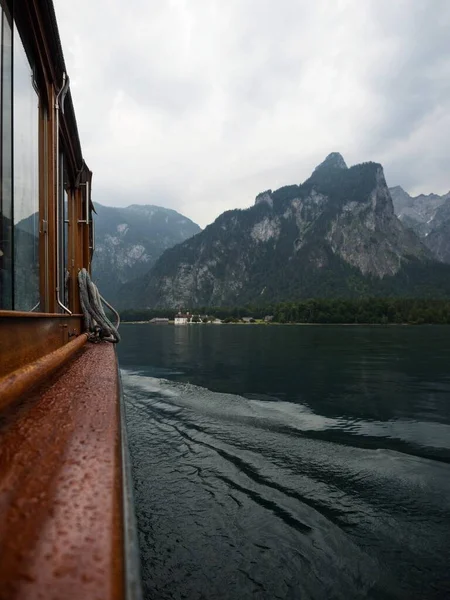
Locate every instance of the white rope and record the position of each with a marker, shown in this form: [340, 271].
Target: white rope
[97, 323]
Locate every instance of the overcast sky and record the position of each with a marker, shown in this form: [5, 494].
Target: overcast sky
[198, 105]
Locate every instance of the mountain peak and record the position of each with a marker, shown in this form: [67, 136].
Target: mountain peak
[265, 197]
[333, 235]
[398, 192]
[128, 241]
[334, 160]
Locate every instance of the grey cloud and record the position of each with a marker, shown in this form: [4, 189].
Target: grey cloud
[414, 78]
[111, 196]
[175, 95]
[200, 104]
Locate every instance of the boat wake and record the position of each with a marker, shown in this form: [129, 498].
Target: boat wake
[253, 496]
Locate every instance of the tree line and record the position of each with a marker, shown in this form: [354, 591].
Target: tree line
[339, 311]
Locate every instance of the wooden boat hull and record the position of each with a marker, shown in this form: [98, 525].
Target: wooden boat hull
[65, 504]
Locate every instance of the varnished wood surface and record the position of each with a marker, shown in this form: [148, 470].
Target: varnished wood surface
[34, 315]
[20, 382]
[24, 339]
[61, 531]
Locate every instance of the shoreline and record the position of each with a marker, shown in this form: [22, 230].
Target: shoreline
[297, 324]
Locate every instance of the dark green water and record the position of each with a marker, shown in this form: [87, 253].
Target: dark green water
[290, 462]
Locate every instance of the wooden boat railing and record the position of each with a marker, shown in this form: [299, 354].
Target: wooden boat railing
[67, 526]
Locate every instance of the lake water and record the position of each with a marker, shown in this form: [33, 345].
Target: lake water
[290, 461]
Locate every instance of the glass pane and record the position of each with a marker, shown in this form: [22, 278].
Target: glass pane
[65, 295]
[26, 183]
[63, 208]
[6, 254]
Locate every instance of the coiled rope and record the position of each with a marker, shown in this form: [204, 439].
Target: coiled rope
[96, 322]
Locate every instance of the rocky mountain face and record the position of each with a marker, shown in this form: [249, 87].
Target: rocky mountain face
[428, 216]
[334, 235]
[129, 240]
[24, 263]
[438, 240]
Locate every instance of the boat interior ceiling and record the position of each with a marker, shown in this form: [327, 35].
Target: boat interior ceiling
[61, 444]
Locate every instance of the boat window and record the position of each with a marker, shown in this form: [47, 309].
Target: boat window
[6, 214]
[26, 181]
[66, 247]
[63, 230]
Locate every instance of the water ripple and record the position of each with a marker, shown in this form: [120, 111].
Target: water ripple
[231, 488]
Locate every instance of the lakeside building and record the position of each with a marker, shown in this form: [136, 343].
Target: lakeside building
[182, 318]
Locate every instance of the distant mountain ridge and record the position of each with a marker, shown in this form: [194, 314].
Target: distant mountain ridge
[334, 235]
[129, 240]
[428, 216]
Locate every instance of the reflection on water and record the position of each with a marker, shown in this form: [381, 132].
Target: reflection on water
[290, 462]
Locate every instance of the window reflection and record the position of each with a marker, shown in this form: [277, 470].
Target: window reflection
[65, 245]
[6, 229]
[26, 192]
[63, 228]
